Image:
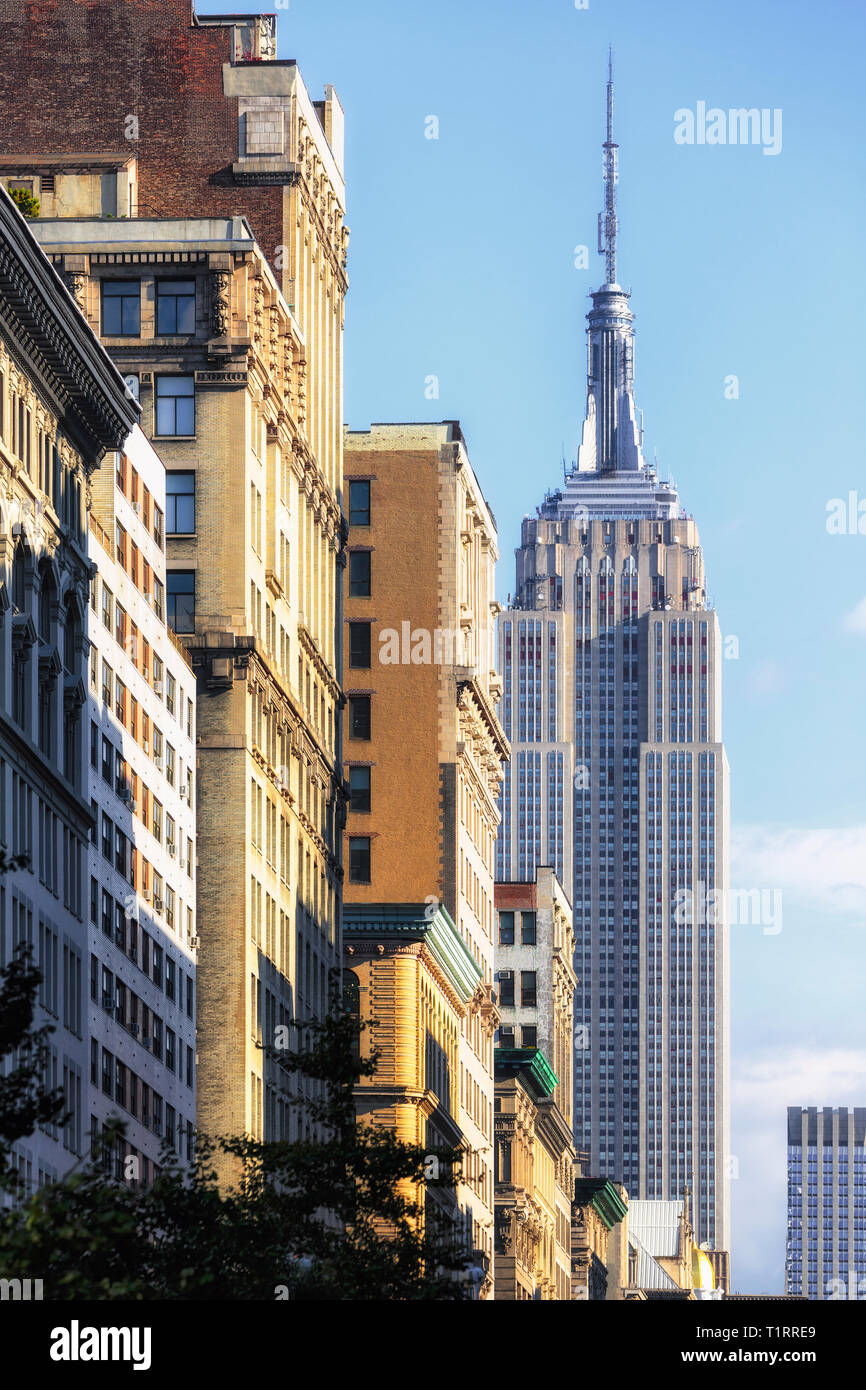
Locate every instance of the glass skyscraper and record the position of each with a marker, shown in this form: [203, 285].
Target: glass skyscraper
[610, 656]
[826, 1252]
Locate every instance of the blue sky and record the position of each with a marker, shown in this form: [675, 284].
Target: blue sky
[462, 266]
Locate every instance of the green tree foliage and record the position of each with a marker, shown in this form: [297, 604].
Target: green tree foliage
[25, 1102]
[25, 202]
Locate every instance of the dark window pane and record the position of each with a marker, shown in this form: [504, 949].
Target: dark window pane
[359, 788]
[359, 716]
[527, 928]
[506, 928]
[506, 991]
[530, 1036]
[359, 504]
[359, 645]
[180, 503]
[527, 988]
[176, 306]
[175, 405]
[359, 859]
[180, 598]
[359, 573]
[121, 308]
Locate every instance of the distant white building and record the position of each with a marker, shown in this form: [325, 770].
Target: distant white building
[141, 772]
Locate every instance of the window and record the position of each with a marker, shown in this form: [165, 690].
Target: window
[359, 716]
[359, 573]
[506, 928]
[359, 859]
[359, 503]
[359, 645]
[180, 504]
[529, 1035]
[175, 306]
[527, 928]
[527, 988]
[359, 788]
[180, 591]
[506, 988]
[175, 405]
[121, 308]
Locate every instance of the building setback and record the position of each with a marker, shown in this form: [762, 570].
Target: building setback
[142, 932]
[424, 747]
[611, 664]
[62, 405]
[826, 1250]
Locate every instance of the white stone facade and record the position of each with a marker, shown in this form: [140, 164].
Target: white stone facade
[141, 775]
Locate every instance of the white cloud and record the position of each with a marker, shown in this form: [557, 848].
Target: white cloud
[855, 621]
[825, 867]
[763, 1086]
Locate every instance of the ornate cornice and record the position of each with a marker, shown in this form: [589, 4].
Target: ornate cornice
[394, 924]
[53, 338]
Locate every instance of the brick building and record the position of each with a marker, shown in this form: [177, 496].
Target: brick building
[229, 329]
[424, 747]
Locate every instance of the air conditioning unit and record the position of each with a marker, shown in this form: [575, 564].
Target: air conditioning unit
[193, 941]
[172, 849]
[183, 791]
[126, 797]
[505, 974]
[157, 687]
[108, 1003]
[136, 507]
[158, 904]
[147, 895]
[147, 1042]
[157, 762]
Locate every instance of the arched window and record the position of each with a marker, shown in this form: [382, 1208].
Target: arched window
[19, 577]
[71, 654]
[46, 595]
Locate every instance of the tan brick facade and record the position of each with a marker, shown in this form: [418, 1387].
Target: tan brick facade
[434, 752]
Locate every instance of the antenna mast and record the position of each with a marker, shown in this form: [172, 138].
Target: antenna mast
[607, 223]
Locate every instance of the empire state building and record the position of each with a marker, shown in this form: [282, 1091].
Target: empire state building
[611, 666]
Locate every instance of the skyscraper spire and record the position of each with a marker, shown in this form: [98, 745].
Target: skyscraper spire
[607, 223]
[611, 440]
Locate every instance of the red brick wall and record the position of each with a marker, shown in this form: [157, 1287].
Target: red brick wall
[509, 897]
[73, 71]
